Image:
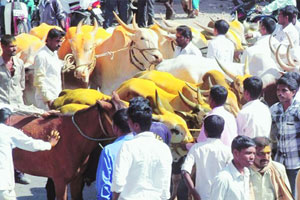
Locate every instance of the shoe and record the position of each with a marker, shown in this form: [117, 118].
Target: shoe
[22, 180]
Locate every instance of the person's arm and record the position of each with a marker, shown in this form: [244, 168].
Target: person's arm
[60, 15]
[104, 176]
[25, 142]
[190, 184]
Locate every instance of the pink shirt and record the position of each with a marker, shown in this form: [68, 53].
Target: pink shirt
[230, 127]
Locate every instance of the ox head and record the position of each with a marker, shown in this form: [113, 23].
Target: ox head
[83, 44]
[177, 126]
[238, 80]
[143, 49]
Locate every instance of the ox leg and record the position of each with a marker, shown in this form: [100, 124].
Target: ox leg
[50, 188]
[60, 189]
[77, 186]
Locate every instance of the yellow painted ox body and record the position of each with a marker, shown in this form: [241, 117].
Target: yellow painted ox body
[42, 30]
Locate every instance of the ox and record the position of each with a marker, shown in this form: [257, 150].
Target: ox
[67, 160]
[42, 30]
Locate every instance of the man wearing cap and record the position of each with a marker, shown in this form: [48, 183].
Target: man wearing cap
[268, 178]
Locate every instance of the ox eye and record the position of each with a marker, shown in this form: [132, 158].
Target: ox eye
[142, 38]
[175, 131]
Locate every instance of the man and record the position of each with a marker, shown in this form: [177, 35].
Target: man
[268, 178]
[275, 5]
[143, 166]
[221, 47]
[145, 13]
[51, 12]
[184, 39]
[47, 70]
[217, 98]
[232, 183]
[254, 119]
[11, 138]
[210, 158]
[113, 5]
[285, 127]
[109, 154]
[285, 19]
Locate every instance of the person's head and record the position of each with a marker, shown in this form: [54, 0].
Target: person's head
[243, 150]
[263, 152]
[286, 15]
[4, 114]
[8, 45]
[217, 96]
[252, 88]
[139, 115]
[267, 25]
[183, 35]
[221, 27]
[54, 39]
[213, 126]
[120, 125]
[162, 131]
[295, 16]
[286, 89]
[294, 75]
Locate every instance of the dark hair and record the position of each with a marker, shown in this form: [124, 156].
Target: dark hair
[55, 33]
[222, 26]
[185, 31]
[241, 142]
[288, 11]
[4, 114]
[140, 112]
[294, 75]
[218, 94]
[254, 86]
[7, 39]
[262, 141]
[290, 82]
[214, 126]
[269, 24]
[120, 120]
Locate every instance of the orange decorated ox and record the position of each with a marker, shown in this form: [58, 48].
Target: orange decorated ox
[79, 136]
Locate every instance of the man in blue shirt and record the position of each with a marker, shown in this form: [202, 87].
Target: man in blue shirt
[109, 153]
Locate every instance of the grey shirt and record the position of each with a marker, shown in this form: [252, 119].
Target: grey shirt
[51, 12]
[11, 87]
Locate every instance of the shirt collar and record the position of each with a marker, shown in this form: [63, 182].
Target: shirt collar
[236, 174]
[49, 51]
[145, 134]
[124, 137]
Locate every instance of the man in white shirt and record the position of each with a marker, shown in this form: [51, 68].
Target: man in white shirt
[210, 158]
[221, 47]
[47, 71]
[285, 19]
[184, 42]
[143, 165]
[232, 183]
[255, 117]
[11, 138]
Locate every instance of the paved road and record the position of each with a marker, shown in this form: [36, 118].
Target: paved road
[208, 8]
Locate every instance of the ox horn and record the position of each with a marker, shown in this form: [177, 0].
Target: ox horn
[159, 104]
[191, 87]
[281, 63]
[290, 40]
[125, 26]
[289, 57]
[168, 29]
[95, 30]
[78, 28]
[199, 97]
[189, 103]
[246, 66]
[134, 24]
[210, 30]
[231, 75]
[212, 19]
[165, 21]
[273, 50]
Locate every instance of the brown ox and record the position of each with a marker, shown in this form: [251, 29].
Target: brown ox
[67, 160]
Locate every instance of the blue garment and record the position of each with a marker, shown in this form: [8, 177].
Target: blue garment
[105, 167]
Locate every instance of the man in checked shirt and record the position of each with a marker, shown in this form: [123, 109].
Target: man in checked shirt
[286, 127]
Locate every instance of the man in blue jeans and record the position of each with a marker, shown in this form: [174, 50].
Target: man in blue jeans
[113, 5]
[145, 12]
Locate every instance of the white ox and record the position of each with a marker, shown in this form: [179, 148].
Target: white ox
[192, 68]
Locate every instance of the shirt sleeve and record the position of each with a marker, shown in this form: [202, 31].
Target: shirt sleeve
[219, 188]
[189, 161]
[59, 12]
[210, 51]
[121, 169]
[104, 176]
[27, 143]
[40, 76]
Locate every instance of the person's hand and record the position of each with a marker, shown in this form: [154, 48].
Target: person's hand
[195, 194]
[49, 103]
[248, 35]
[50, 113]
[53, 138]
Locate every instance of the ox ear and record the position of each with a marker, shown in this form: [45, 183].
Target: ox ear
[159, 104]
